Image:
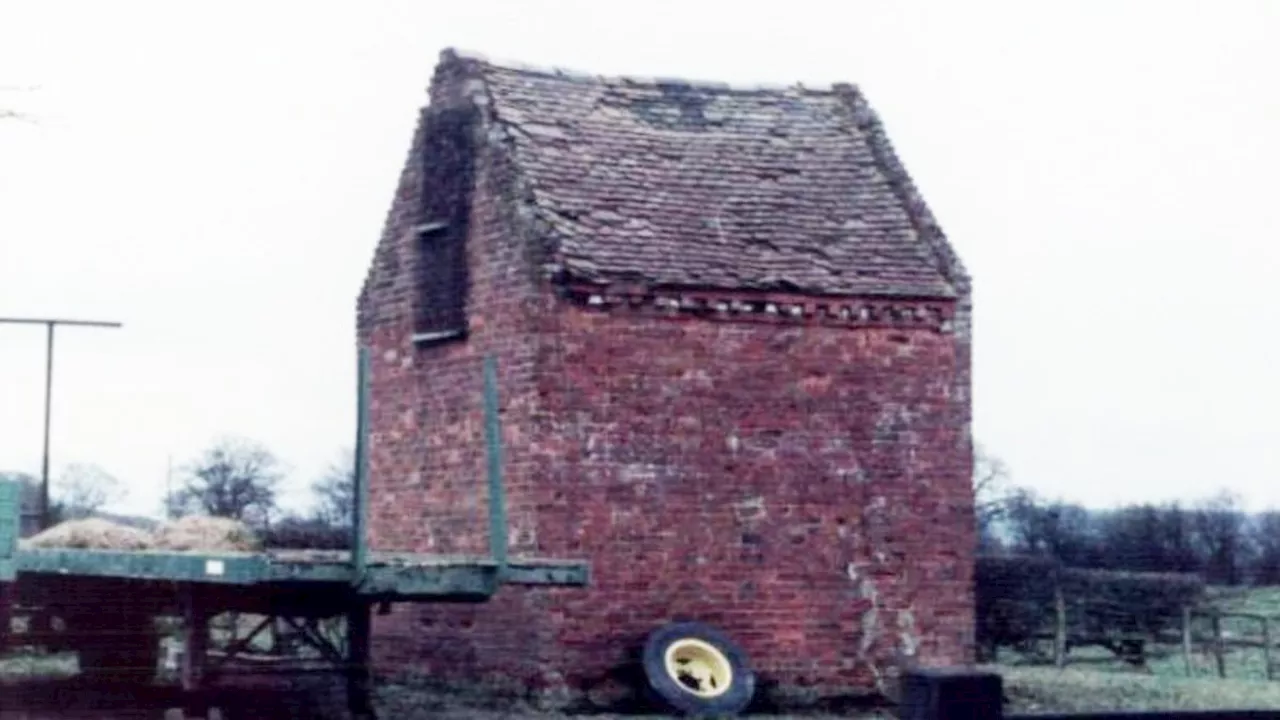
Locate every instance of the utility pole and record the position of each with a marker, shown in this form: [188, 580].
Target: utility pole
[50, 324]
[168, 489]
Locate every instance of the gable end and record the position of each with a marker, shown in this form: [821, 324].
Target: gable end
[440, 241]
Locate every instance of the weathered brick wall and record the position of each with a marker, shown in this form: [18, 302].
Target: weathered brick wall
[426, 462]
[806, 488]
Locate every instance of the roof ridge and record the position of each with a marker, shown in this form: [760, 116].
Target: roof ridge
[463, 55]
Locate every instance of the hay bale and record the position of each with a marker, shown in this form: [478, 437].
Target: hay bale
[91, 534]
[202, 532]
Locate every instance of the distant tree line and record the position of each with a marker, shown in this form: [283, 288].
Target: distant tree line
[235, 478]
[79, 491]
[240, 478]
[1214, 538]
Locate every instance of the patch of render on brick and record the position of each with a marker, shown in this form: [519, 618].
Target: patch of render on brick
[733, 442]
[871, 630]
[524, 532]
[639, 472]
[750, 510]
[698, 377]
[857, 475]
[908, 637]
[895, 425]
[877, 504]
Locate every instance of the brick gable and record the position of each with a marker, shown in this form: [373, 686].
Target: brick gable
[764, 424]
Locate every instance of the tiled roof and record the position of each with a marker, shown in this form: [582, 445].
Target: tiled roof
[680, 184]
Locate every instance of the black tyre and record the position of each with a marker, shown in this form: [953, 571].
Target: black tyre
[697, 670]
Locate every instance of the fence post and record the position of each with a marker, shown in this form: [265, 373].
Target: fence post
[1060, 627]
[1219, 652]
[1187, 645]
[1266, 648]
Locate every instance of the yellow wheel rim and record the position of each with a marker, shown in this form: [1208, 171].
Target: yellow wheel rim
[698, 667]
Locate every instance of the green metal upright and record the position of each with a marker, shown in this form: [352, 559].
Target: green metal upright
[10, 522]
[359, 614]
[10, 529]
[497, 495]
[360, 504]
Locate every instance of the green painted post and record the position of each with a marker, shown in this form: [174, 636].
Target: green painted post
[493, 442]
[10, 528]
[359, 620]
[10, 516]
[360, 504]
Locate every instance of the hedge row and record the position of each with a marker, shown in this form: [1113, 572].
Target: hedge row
[1016, 598]
[299, 534]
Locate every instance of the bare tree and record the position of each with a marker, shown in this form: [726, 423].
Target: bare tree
[236, 478]
[335, 492]
[990, 481]
[83, 489]
[1218, 528]
[1060, 530]
[1147, 537]
[1265, 530]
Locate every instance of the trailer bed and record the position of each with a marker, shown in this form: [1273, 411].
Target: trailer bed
[389, 576]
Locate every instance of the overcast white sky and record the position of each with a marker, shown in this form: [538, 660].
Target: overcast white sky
[215, 175]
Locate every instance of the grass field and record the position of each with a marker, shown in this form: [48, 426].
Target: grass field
[1048, 689]
[1095, 680]
[1168, 659]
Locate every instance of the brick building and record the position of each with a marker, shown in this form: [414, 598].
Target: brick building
[734, 362]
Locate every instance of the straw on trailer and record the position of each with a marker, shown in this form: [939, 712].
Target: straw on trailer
[202, 532]
[91, 534]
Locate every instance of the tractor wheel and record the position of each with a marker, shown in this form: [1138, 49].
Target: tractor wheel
[698, 671]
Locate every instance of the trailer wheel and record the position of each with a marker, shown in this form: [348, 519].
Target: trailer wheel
[697, 670]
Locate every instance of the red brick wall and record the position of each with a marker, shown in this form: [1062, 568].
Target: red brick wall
[805, 488]
[426, 461]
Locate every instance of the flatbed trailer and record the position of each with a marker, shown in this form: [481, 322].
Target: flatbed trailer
[103, 604]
